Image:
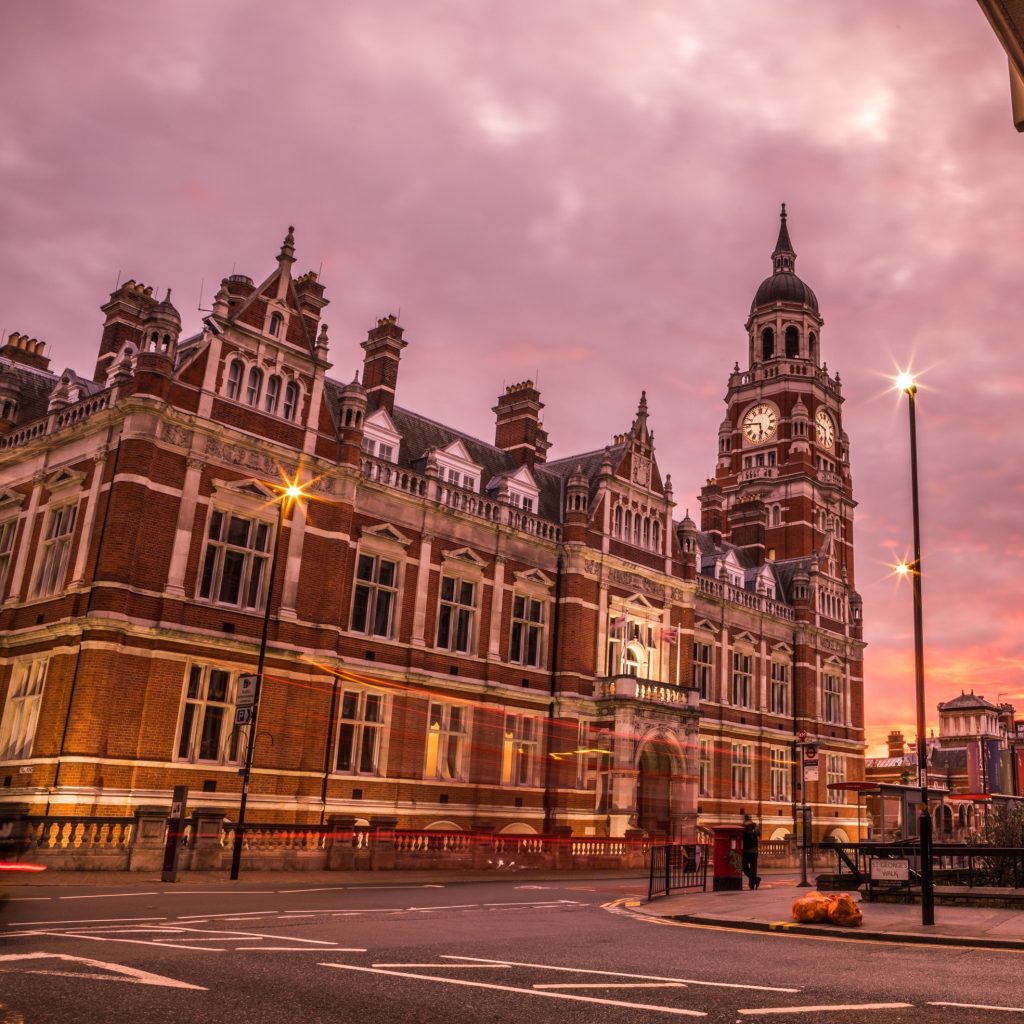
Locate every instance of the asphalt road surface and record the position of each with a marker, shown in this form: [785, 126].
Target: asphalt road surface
[503, 951]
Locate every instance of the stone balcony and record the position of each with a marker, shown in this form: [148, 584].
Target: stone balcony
[652, 691]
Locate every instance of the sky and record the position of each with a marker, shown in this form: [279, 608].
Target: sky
[584, 193]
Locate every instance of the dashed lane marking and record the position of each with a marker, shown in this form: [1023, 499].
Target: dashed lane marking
[85, 920]
[674, 1011]
[621, 974]
[981, 1006]
[106, 895]
[454, 967]
[766, 1010]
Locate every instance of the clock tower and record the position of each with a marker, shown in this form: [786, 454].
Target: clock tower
[782, 489]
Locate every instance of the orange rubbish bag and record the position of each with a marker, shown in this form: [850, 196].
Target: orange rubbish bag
[811, 908]
[843, 910]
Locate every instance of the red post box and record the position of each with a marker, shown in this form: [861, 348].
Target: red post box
[728, 862]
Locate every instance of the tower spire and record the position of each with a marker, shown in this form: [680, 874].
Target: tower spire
[287, 252]
[783, 258]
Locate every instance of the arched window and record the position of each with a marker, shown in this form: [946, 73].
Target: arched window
[812, 344]
[276, 323]
[291, 399]
[767, 343]
[656, 535]
[792, 342]
[629, 524]
[636, 529]
[631, 661]
[617, 528]
[273, 394]
[252, 392]
[776, 515]
[235, 373]
[647, 532]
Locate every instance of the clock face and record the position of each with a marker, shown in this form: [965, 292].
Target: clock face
[825, 429]
[760, 423]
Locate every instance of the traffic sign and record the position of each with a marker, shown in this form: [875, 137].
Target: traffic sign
[243, 716]
[810, 763]
[246, 695]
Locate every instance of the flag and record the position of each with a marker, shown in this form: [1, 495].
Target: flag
[670, 634]
[618, 621]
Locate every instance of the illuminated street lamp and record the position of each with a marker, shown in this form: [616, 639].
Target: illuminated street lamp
[288, 495]
[906, 384]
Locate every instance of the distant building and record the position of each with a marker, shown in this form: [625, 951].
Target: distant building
[464, 634]
[977, 759]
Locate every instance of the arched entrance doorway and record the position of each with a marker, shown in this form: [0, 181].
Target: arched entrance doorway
[654, 789]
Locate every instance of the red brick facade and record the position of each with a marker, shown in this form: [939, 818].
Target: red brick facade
[462, 634]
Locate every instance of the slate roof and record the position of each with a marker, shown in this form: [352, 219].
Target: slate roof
[967, 702]
[33, 387]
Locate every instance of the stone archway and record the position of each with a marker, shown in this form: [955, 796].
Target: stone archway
[654, 788]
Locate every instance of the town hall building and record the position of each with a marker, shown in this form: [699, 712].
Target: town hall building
[462, 634]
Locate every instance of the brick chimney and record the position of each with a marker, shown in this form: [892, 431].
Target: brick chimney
[517, 429]
[125, 313]
[897, 744]
[20, 348]
[383, 348]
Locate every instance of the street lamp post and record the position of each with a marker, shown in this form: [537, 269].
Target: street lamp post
[288, 495]
[909, 388]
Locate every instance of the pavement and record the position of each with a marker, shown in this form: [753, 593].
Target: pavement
[769, 909]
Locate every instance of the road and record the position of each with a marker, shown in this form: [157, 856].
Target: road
[502, 951]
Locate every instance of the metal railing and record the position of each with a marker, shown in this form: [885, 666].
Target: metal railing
[676, 867]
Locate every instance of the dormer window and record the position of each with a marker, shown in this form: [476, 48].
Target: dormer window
[276, 323]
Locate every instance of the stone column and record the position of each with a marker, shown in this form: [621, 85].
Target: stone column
[497, 600]
[82, 557]
[20, 564]
[419, 621]
[382, 844]
[183, 529]
[293, 562]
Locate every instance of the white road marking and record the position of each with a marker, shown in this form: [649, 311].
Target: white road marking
[329, 888]
[30, 899]
[981, 1006]
[394, 886]
[218, 892]
[620, 974]
[675, 1011]
[260, 935]
[365, 910]
[131, 974]
[236, 914]
[106, 895]
[134, 942]
[453, 906]
[86, 920]
[457, 967]
[764, 1011]
[536, 903]
[300, 949]
[619, 984]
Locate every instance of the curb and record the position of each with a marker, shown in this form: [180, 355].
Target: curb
[793, 928]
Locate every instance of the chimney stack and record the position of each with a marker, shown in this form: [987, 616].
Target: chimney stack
[518, 429]
[897, 744]
[383, 348]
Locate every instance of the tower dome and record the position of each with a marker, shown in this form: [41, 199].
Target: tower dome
[784, 285]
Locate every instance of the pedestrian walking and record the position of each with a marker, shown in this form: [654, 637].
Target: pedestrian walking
[751, 842]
